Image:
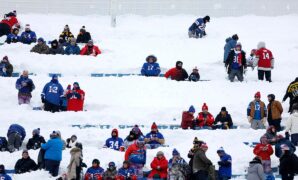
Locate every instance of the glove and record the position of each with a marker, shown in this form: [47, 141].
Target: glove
[249, 119]
[84, 165]
[264, 121]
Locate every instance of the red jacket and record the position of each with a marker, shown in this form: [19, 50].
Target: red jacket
[132, 150]
[187, 120]
[177, 74]
[264, 154]
[205, 122]
[163, 168]
[265, 58]
[95, 51]
[11, 21]
[74, 103]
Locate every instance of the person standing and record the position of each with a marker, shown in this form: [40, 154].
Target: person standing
[288, 163]
[25, 86]
[292, 125]
[257, 113]
[292, 93]
[201, 163]
[274, 112]
[264, 61]
[229, 46]
[225, 165]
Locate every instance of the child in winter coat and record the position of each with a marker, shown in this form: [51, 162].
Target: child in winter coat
[159, 167]
[76, 163]
[151, 67]
[188, 118]
[126, 172]
[194, 76]
[264, 151]
[178, 167]
[250, 61]
[3, 175]
[95, 172]
[225, 165]
[26, 164]
[111, 172]
[154, 139]
[6, 68]
[36, 140]
[255, 170]
[71, 142]
[115, 142]
[204, 120]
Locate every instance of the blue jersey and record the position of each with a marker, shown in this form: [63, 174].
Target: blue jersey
[94, 173]
[25, 85]
[5, 177]
[52, 92]
[12, 38]
[199, 24]
[150, 69]
[154, 135]
[114, 143]
[28, 37]
[236, 64]
[126, 172]
[257, 108]
[225, 167]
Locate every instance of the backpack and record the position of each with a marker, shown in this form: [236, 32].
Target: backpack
[3, 144]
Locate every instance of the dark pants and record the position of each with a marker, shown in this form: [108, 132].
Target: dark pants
[52, 166]
[292, 101]
[201, 175]
[51, 107]
[275, 123]
[224, 178]
[4, 29]
[14, 142]
[267, 74]
[287, 176]
[294, 139]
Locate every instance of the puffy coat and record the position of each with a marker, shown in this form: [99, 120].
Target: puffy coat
[255, 171]
[276, 110]
[224, 119]
[230, 44]
[35, 142]
[40, 48]
[53, 149]
[150, 69]
[5, 177]
[11, 21]
[52, 92]
[204, 120]
[28, 37]
[288, 163]
[25, 89]
[83, 37]
[25, 165]
[110, 174]
[160, 167]
[15, 128]
[94, 173]
[177, 74]
[264, 151]
[75, 100]
[70, 49]
[187, 120]
[75, 163]
[8, 67]
[231, 59]
[92, 52]
[225, 166]
[200, 161]
[194, 77]
[292, 123]
[65, 36]
[135, 155]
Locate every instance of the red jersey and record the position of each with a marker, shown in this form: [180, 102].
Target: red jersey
[11, 21]
[265, 59]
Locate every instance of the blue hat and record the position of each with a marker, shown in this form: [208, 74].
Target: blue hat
[40, 39]
[140, 140]
[175, 152]
[191, 109]
[54, 76]
[112, 164]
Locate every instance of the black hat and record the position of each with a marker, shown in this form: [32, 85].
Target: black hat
[206, 18]
[235, 37]
[79, 145]
[2, 169]
[95, 161]
[272, 96]
[179, 62]
[224, 109]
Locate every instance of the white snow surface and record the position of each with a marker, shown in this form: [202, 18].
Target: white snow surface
[141, 100]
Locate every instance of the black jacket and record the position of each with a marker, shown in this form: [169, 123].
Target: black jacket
[288, 163]
[25, 165]
[223, 119]
[83, 38]
[230, 60]
[291, 90]
[35, 142]
[194, 77]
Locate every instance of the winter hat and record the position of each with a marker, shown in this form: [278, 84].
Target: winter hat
[73, 40]
[74, 136]
[95, 161]
[239, 45]
[195, 69]
[90, 42]
[179, 63]
[83, 29]
[151, 57]
[224, 109]
[154, 126]
[136, 130]
[27, 26]
[76, 83]
[5, 58]
[141, 140]
[54, 43]
[115, 131]
[175, 152]
[2, 169]
[66, 27]
[253, 51]
[192, 109]
[220, 150]
[159, 153]
[272, 96]
[79, 145]
[40, 39]
[261, 45]
[258, 94]
[25, 151]
[284, 147]
[36, 131]
[68, 87]
[235, 37]
[204, 107]
[54, 77]
[206, 18]
[196, 140]
[112, 164]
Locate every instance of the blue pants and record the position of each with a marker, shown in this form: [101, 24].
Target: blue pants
[52, 166]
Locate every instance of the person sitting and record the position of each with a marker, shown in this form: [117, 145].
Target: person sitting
[197, 29]
[13, 37]
[154, 139]
[83, 36]
[41, 47]
[126, 172]
[177, 73]
[26, 164]
[6, 68]
[28, 36]
[90, 49]
[36, 140]
[188, 118]
[271, 135]
[111, 172]
[151, 67]
[95, 172]
[72, 48]
[3, 144]
[194, 76]
[178, 167]
[65, 36]
[15, 135]
[3, 175]
[134, 134]
[71, 142]
[115, 142]
[159, 167]
[56, 48]
[205, 119]
[223, 120]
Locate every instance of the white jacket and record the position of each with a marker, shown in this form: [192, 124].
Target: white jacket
[292, 123]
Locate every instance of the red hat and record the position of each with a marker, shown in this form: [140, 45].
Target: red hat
[258, 94]
[204, 145]
[115, 131]
[204, 107]
[154, 126]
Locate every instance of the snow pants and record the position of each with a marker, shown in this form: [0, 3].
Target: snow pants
[14, 142]
[52, 166]
[51, 107]
[4, 29]
[201, 175]
[267, 74]
[236, 73]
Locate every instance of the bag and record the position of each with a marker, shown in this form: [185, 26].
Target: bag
[3, 144]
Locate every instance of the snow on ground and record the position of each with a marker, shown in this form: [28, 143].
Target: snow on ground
[140, 100]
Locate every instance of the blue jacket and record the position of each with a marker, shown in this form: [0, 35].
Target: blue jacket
[70, 49]
[230, 44]
[25, 89]
[15, 128]
[5, 177]
[151, 135]
[150, 69]
[12, 38]
[52, 92]
[28, 37]
[114, 143]
[225, 166]
[124, 172]
[199, 24]
[94, 172]
[278, 151]
[53, 149]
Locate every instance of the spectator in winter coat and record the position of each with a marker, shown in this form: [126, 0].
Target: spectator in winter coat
[151, 67]
[55, 48]
[201, 163]
[40, 47]
[196, 145]
[3, 144]
[281, 140]
[90, 49]
[159, 167]
[95, 172]
[83, 36]
[13, 36]
[8, 23]
[292, 93]
[264, 150]
[65, 36]
[264, 61]
[28, 36]
[271, 135]
[111, 172]
[25, 86]
[115, 142]
[205, 119]
[257, 113]
[188, 118]
[225, 165]
[177, 73]
[255, 170]
[229, 46]
[134, 134]
[36, 140]
[74, 168]
[51, 95]
[292, 125]
[26, 164]
[15, 135]
[63, 141]
[126, 172]
[53, 153]
[288, 163]
[75, 98]
[71, 142]
[136, 155]
[236, 63]
[6, 68]
[194, 76]
[274, 112]
[3, 175]
[154, 139]
[223, 119]
[178, 167]
[72, 48]
[197, 29]
[250, 61]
